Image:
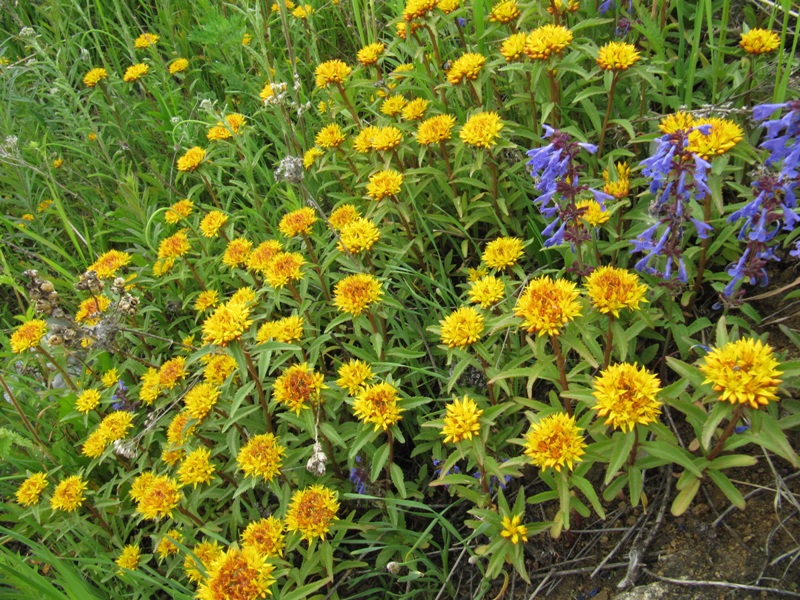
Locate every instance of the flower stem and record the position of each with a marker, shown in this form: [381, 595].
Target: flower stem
[535, 118]
[614, 79]
[100, 519]
[24, 419]
[194, 274]
[485, 483]
[609, 341]
[349, 105]
[561, 364]
[58, 366]
[210, 190]
[715, 451]
[259, 387]
[555, 97]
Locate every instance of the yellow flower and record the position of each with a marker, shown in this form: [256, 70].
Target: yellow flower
[482, 130]
[487, 291]
[466, 66]
[261, 257]
[166, 546]
[95, 444]
[564, 6]
[310, 157]
[179, 65]
[246, 39]
[436, 129]
[157, 496]
[266, 536]
[236, 252]
[261, 457]
[332, 71]
[356, 292]
[303, 12]
[91, 137]
[135, 72]
[178, 211]
[626, 395]
[212, 222]
[386, 138]
[298, 222]
[237, 575]
[227, 323]
[232, 126]
[363, 141]
[207, 299]
[547, 40]
[743, 372]
[416, 9]
[760, 41]
[108, 263]
[196, 468]
[94, 76]
[546, 305]
[129, 557]
[28, 217]
[474, 275]
[206, 553]
[145, 41]
[502, 252]
[622, 186]
[369, 54]
[415, 110]
[461, 420]
[386, 183]
[611, 289]
[676, 121]
[172, 371]
[200, 399]
[555, 441]
[299, 387]
[283, 268]
[513, 529]
[448, 6]
[312, 511]
[358, 236]
[174, 246]
[68, 495]
[377, 404]
[513, 47]
[218, 368]
[617, 56]
[353, 374]
[462, 327]
[592, 212]
[45, 204]
[30, 491]
[172, 456]
[286, 330]
[192, 159]
[89, 309]
[288, 4]
[179, 429]
[330, 136]
[724, 135]
[504, 11]
[150, 389]
[393, 105]
[28, 335]
[116, 425]
[347, 213]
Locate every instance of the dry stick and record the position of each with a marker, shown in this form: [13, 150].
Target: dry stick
[24, 418]
[260, 388]
[561, 364]
[723, 584]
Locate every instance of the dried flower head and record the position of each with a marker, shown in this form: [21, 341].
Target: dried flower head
[555, 441]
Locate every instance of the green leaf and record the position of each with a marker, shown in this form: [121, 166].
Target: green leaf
[397, 478]
[723, 483]
[692, 374]
[733, 461]
[771, 437]
[673, 454]
[685, 497]
[720, 411]
[379, 460]
[635, 484]
[588, 490]
[623, 443]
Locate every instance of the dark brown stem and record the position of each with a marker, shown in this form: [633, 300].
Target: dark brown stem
[485, 484]
[100, 519]
[634, 448]
[701, 264]
[489, 386]
[194, 274]
[312, 255]
[192, 516]
[737, 413]
[562, 372]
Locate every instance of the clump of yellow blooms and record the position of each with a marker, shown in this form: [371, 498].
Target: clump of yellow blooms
[145, 41]
[743, 372]
[504, 11]
[377, 404]
[369, 54]
[617, 56]
[435, 130]
[546, 305]
[298, 222]
[555, 441]
[312, 511]
[502, 252]
[353, 375]
[135, 72]
[467, 66]
[547, 40]
[627, 395]
[330, 136]
[332, 71]
[28, 335]
[191, 159]
[461, 328]
[94, 76]
[611, 289]
[482, 130]
[261, 456]
[760, 41]
[461, 421]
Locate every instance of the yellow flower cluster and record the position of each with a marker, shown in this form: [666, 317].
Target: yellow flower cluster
[743, 372]
[461, 421]
[627, 395]
[311, 512]
[377, 404]
[555, 441]
[299, 387]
